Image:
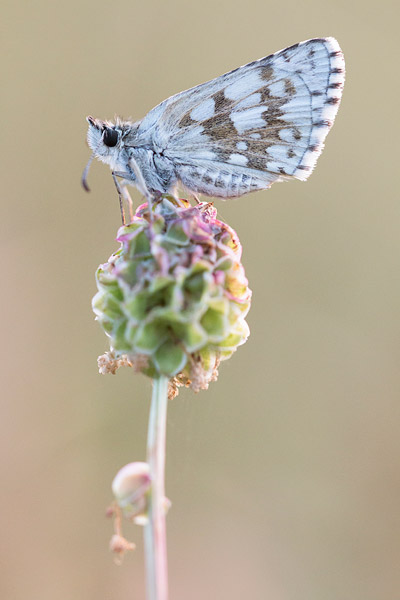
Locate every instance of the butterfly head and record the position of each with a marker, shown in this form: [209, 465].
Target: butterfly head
[104, 138]
[106, 141]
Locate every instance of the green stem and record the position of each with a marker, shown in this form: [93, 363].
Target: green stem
[155, 532]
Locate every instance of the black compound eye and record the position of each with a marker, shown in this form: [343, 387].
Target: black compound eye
[110, 137]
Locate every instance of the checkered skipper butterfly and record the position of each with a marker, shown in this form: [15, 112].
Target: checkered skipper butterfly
[258, 124]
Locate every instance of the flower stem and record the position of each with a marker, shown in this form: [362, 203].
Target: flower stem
[155, 532]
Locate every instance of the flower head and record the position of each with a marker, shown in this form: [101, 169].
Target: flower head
[174, 297]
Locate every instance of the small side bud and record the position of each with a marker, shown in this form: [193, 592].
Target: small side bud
[130, 487]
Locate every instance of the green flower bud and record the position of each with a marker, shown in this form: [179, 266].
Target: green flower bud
[173, 299]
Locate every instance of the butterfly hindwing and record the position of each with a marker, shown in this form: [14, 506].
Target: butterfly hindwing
[261, 123]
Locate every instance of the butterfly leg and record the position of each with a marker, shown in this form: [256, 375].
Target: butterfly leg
[123, 194]
[143, 187]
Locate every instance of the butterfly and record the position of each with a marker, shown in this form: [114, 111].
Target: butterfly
[243, 131]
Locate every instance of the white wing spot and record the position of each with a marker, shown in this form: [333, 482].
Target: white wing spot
[286, 135]
[278, 89]
[238, 159]
[274, 167]
[277, 152]
[204, 110]
[248, 119]
[251, 100]
[250, 82]
[205, 154]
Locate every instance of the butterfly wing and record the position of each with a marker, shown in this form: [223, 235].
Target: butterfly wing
[261, 123]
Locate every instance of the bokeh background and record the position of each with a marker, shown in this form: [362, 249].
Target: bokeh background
[284, 476]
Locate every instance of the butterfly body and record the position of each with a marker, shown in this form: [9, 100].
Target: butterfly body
[256, 125]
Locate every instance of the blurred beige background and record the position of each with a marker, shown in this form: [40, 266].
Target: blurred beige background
[284, 476]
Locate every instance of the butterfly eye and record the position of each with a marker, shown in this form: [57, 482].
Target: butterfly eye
[110, 137]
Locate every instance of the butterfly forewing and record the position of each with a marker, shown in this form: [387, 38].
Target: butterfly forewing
[258, 124]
